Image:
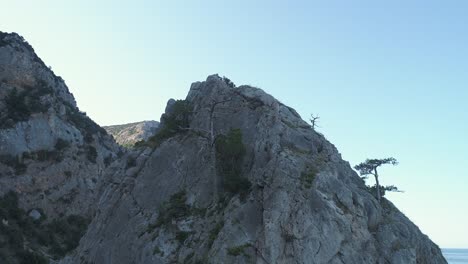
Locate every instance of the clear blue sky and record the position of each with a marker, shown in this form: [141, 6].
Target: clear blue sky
[387, 78]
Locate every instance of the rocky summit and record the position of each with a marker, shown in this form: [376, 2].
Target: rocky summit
[231, 175]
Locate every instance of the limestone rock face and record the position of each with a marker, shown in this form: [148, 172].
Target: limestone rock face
[51, 154]
[232, 176]
[305, 204]
[129, 134]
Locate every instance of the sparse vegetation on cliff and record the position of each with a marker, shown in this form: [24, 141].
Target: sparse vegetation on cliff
[239, 250]
[215, 163]
[20, 104]
[229, 82]
[25, 240]
[13, 162]
[308, 176]
[85, 124]
[173, 209]
[230, 152]
[177, 121]
[91, 154]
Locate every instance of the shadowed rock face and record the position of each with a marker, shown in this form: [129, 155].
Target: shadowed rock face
[171, 204]
[129, 134]
[305, 204]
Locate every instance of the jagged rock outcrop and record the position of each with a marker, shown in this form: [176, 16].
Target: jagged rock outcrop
[51, 154]
[241, 178]
[231, 176]
[129, 134]
[53, 159]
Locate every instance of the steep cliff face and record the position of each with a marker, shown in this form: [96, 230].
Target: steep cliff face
[231, 176]
[51, 154]
[53, 159]
[129, 134]
[234, 176]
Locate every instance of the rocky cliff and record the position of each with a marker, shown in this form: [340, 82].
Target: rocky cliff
[129, 134]
[52, 156]
[231, 176]
[237, 177]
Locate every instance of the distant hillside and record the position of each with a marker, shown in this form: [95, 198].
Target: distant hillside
[129, 134]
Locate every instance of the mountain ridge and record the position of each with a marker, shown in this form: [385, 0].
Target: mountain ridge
[52, 159]
[231, 176]
[302, 202]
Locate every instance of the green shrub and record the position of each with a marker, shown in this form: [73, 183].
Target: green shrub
[171, 124]
[42, 155]
[229, 82]
[157, 251]
[20, 105]
[41, 89]
[188, 258]
[67, 173]
[108, 160]
[39, 155]
[179, 116]
[214, 233]
[67, 233]
[14, 162]
[27, 257]
[142, 143]
[175, 208]
[230, 155]
[181, 236]
[81, 121]
[8, 160]
[47, 155]
[61, 144]
[308, 176]
[91, 154]
[236, 251]
[9, 206]
[16, 106]
[23, 234]
[20, 168]
[383, 189]
[3, 42]
[131, 162]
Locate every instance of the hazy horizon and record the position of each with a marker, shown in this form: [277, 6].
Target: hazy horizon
[387, 79]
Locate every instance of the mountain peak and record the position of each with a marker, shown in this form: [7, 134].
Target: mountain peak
[233, 176]
[241, 177]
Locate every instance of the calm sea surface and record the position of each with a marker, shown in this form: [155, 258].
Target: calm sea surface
[456, 256]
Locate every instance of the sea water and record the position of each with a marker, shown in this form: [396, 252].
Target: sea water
[456, 256]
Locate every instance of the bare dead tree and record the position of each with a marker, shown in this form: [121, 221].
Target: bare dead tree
[314, 120]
